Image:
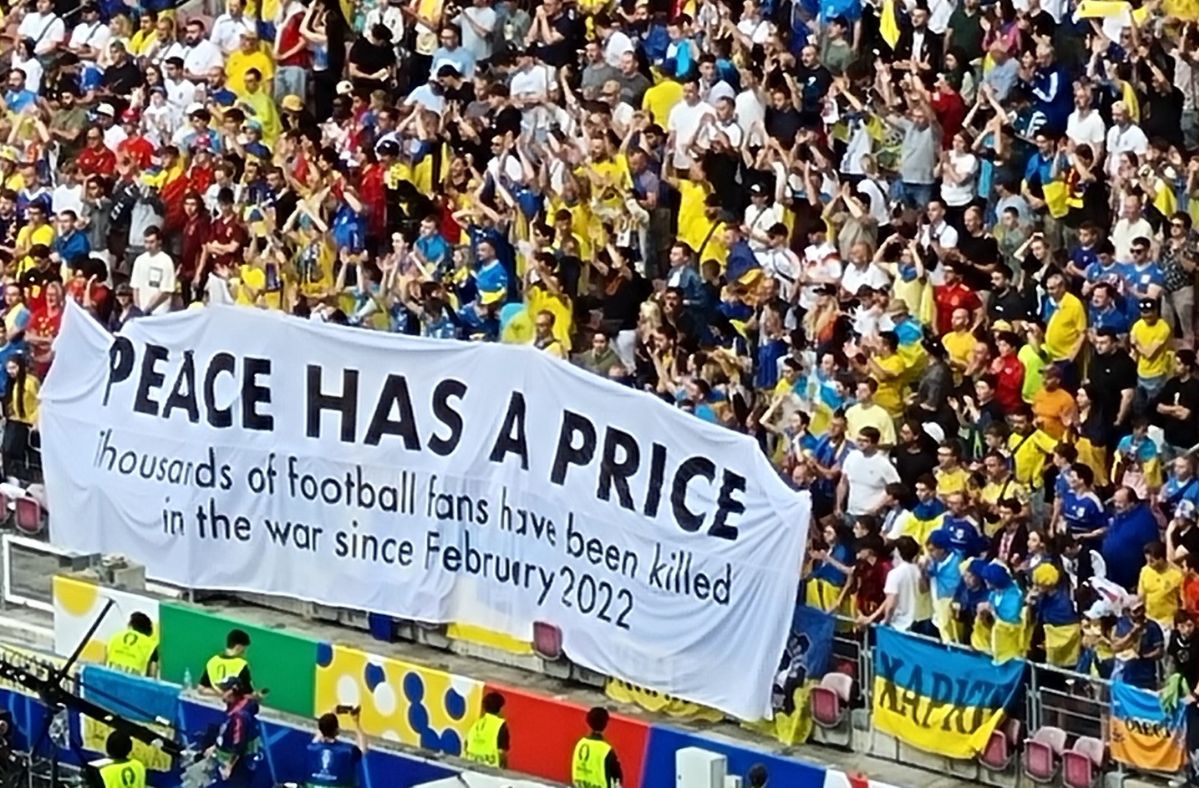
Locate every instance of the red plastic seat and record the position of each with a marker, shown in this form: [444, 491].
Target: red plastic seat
[29, 516]
[1082, 764]
[1001, 747]
[830, 700]
[547, 640]
[1042, 754]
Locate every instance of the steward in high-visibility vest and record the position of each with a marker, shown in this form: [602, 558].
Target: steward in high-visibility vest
[134, 649]
[118, 770]
[333, 763]
[487, 740]
[594, 763]
[230, 663]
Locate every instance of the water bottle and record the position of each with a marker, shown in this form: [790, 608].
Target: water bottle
[187, 679]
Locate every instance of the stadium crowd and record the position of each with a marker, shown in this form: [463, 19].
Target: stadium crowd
[937, 257]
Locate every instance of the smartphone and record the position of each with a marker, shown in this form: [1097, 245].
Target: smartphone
[343, 709]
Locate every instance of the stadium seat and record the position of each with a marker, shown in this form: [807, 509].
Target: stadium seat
[547, 640]
[830, 700]
[1042, 753]
[1082, 764]
[29, 516]
[1001, 747]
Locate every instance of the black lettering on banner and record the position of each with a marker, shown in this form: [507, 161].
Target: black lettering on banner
[183, 393]
[120, 363]
[511, 439]
[345, 403]
[254, 394]
[616, 472]
[567, 453]
[727, 505]
[942, 688]
[692, 467]
[217, 417]
[446, 414]
[593, 597]
[395, 393]
[150, 378]
[626, 596]
[657, 472]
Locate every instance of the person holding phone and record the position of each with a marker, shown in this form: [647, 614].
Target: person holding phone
[331, 761]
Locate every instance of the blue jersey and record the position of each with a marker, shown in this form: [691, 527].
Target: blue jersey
[332, 763]
[1083, 512]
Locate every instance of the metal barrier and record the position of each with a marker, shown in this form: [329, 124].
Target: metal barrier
[1078, 704]
[1075, 702]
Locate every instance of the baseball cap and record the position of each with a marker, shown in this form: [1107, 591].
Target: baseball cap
[106, 109]
[757, 190]
[345, 87]
[130, 116]
[292, 103]
[1147, 303]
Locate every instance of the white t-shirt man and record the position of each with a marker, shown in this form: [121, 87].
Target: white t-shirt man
[867, 479]
[95, 35]
[46, 30]
[202, 58]
[153, 274]
[1086, 129]
[903, 581]
[870, 275]
[1121, 140]
[684, 120]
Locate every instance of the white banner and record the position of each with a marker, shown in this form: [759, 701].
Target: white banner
[432, 480]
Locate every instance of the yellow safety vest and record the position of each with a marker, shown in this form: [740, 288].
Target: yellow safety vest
[122, 774]
[221, 667]
[130, 652]
[483, 740]
[587, 765]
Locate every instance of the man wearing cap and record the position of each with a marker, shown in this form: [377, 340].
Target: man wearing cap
[135, 147]
[1138, 644]
[1150, 342]
[248, 56]
[238, 746]
[761, 214]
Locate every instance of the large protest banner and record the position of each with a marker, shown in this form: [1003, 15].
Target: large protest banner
[431, 480]
[936, 698]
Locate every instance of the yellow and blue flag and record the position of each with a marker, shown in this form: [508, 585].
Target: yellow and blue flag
[938, 698]
[1144, 732]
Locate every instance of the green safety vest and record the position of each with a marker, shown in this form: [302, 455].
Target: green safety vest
[588, 764]
[130, 652]
[122, 774]
[221, 667]
[482, 741]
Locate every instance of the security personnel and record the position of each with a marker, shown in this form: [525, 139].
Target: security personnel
[229, 663]
[332, 762]
[487, 741]
[118, 770]
[594, 763]
[134, 650]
